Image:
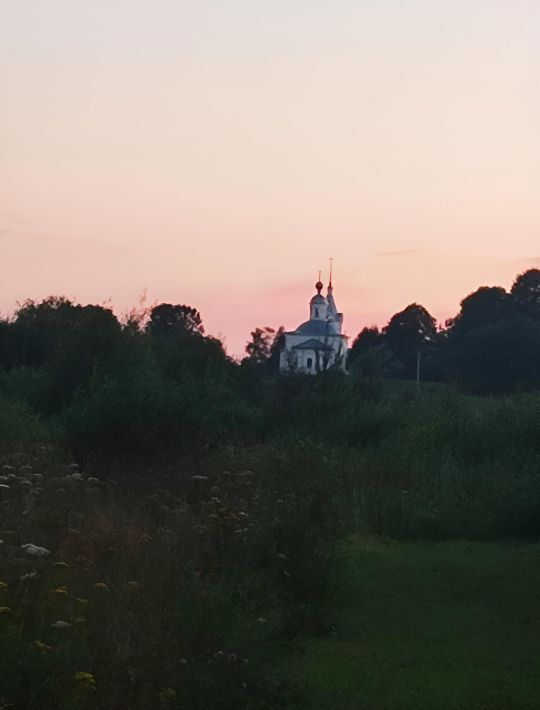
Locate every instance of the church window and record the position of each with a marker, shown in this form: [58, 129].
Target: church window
[309, 363]
[316, 313]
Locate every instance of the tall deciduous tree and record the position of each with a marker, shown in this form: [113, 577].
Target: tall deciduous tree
[177, 337]
[259, 347]
[485, 306]
[409, 332]
[526, 293]
[502, 357]
[368, 338]
[173, 320]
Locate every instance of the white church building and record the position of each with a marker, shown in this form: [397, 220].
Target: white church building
[318, 344]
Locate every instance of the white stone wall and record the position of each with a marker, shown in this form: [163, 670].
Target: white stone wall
[298, 360]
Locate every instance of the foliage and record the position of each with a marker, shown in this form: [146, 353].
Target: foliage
[526, 293]
[190, 506]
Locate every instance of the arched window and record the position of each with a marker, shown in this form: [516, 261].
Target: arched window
[316, 313]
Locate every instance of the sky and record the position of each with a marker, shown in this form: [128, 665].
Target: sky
[217, 153]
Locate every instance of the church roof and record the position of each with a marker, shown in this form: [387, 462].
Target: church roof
[311, 344]
[316, 327]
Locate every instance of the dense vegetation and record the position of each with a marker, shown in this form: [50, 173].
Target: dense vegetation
[169, 517]
[492, 346]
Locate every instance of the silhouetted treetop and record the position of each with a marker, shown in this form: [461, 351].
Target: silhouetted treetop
[526, 293]
[167, 319]
[366, 339]
[488, 304]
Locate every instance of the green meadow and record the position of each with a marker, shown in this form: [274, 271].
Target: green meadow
[453, 625]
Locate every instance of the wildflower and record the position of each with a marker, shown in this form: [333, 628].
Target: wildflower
[73, 477]
[60, 624]
[35, 550]
[133, 585]
[168, 694]
[5, 610]
[62, 591]
[100, 585]
[83, 602]
[43, 647]
[63, 565]
[262, 620]
[29, 575]
[3, 586]
[85, 678]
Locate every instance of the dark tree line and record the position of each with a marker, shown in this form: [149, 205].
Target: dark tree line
[491, 346]
[80, 365]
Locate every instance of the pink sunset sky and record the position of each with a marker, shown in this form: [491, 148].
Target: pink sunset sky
[217, 153]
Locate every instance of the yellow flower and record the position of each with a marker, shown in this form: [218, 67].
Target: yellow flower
[133, 585]
[85, 678]
[63, 565]
[5, 610]
[100, 585]
[61, 591]
[43, 647]
[168, 695]
[3, 586]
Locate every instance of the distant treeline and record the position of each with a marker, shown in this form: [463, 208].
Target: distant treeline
[491, 346]
[157, 382]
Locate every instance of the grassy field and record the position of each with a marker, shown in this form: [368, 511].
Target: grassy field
[429, 626]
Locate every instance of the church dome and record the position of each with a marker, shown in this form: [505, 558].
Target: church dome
[319, 299]
[316, 327]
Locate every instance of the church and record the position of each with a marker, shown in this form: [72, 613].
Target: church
[318, 344]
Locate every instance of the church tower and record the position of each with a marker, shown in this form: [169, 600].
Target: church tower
[317, 344]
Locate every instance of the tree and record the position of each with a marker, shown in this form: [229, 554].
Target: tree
[501, 357]
[410, 332]
[278, 343]
[167, 320]
[525, 293]
[177, 338]
[67, 341]
[259, 348]
[486, 305]
[368, 338]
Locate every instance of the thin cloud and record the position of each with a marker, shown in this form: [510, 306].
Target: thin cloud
[13, 235]
[398, 252]
[531, 259]
[13, 217]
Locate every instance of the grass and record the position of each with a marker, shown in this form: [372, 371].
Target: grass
[429, 626]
